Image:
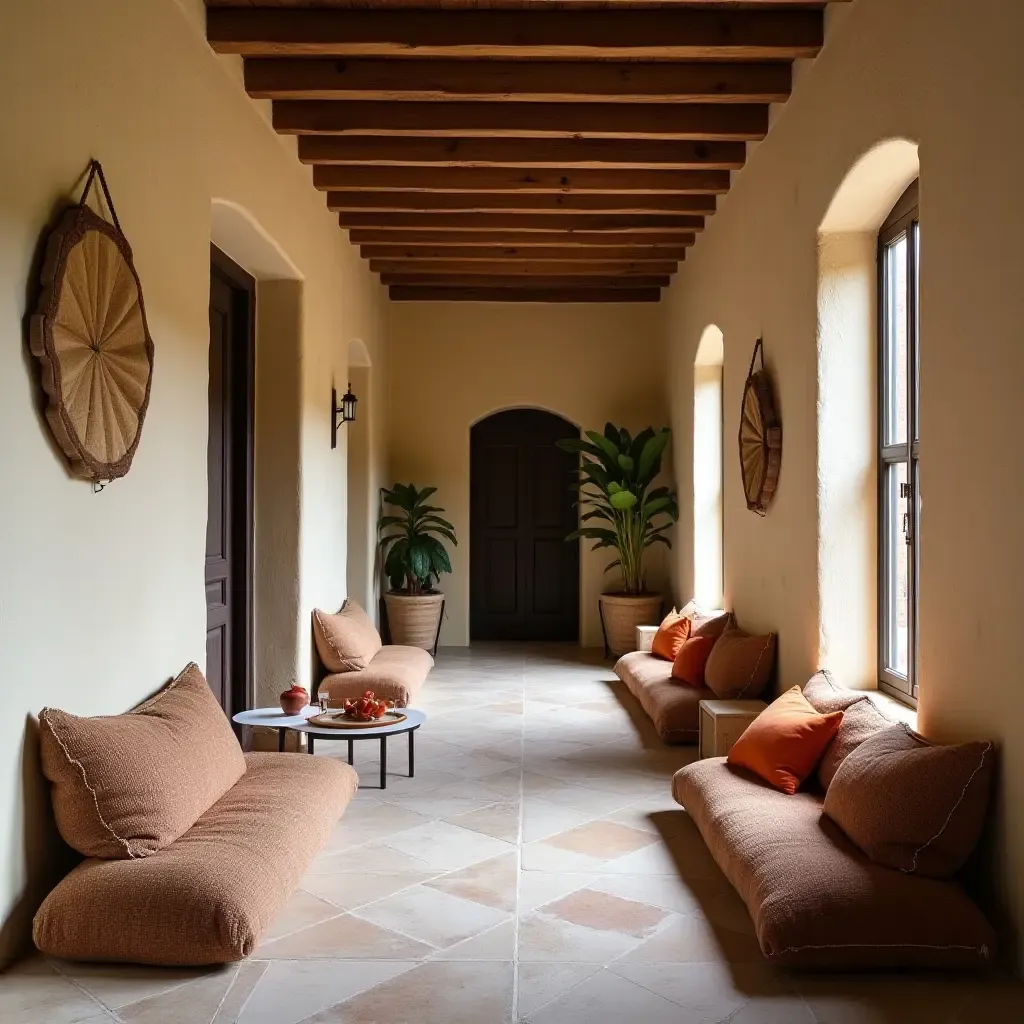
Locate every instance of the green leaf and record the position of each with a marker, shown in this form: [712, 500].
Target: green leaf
[613, 487]
[623, 500]
[419, 560]
[436, 521]
[626, 464]
[576, 445]
[422, 496]
[611, 565]
[650, 457]
[611, 432]
[653, 507]
[660, 539]
[639, 441]
[604, 444]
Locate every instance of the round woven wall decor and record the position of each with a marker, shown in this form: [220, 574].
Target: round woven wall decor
[92, 341]
[760, 437]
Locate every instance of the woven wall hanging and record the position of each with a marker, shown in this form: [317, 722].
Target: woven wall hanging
[760, 437]
[90, 335]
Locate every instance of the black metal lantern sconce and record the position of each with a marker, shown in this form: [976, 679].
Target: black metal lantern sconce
[344, 413]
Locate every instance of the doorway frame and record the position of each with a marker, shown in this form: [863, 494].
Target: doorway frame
[243, 424]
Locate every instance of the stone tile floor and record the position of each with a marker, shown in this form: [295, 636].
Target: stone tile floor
[536, 870]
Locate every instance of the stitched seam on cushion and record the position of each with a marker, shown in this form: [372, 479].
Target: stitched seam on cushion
[983, 948]
[85, 782]
[949, 817]
[330, 643]
[756, 663]
[152, 701]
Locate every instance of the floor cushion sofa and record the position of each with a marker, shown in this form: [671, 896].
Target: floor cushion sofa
[673, 707]
[166, 880]
[816, 899]
[353, 659]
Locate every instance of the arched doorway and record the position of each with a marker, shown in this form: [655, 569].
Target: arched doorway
[524, 577]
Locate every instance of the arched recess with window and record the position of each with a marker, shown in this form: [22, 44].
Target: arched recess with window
[856, 555]
[708, 541]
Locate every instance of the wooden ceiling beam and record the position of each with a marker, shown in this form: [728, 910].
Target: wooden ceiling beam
[545, 222]
[420, 293]
[533, 268]
[501, 253]
[442, 241]
[523, 181]
[285, 78]
[497, 281]
[705, 121]
[386, 150]
[686, 34]
[517, 5]
[515, 202]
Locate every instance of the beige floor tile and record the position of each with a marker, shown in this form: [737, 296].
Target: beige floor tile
[33, 991]
[497, 943]
[543, 819]
[376, 856]
[666, 891]
[195, 1001]
[237, 997]
[447, 847]
[116, 985]
[602, 840]
[346, 890]
[605, 997]
[491, 882]
[459, 798]
[432, 916]
[604, 912]
[693, 940]
[537, 888]
[545, 938]
[302, 909]
[498, 820]
[906, 999]
[779, 1008]
[344, 938]
[439, 992]
[539, 984]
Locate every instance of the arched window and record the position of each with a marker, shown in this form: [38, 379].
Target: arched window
[898, 446]
[708, 583]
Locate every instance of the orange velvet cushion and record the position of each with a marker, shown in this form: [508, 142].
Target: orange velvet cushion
[785, 742]
[673, 632]
[689, 663]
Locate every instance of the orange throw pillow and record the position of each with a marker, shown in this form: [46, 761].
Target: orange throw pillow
[784, 744]
[673, 632]
[689, 663]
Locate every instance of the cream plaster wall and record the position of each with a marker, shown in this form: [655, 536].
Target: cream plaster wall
[454, 364]
[102, 596]
[947, 76]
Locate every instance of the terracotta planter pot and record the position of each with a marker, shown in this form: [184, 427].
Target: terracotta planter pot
[414, 621]
[622, 613]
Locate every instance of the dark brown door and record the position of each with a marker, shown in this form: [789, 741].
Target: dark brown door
[524, 577]
[229, 471]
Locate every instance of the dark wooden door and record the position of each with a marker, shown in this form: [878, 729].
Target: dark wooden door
[524, 576]
[229, 471]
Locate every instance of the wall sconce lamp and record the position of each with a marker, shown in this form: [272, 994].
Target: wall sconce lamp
[344, 413]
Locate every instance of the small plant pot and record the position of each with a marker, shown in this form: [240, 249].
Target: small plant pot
[413, 620]
[622, 613]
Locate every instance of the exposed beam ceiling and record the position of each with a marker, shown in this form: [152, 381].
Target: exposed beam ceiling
[533, 150]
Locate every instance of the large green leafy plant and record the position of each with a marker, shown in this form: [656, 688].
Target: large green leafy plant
[616, 494]
[413, 553]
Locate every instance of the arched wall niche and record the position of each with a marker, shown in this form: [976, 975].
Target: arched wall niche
[276, 444]
[847, 373]
[708, 540]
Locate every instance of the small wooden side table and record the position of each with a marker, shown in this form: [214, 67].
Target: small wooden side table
[645, 637]
[722, 722]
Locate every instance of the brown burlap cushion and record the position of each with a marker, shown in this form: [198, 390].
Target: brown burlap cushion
[911, 804]
[208, 897]
[710, 625]
[826, 695]
[816, 901]
[861, 720]
[739, 665]
[396, 673]
[346, 641]
[128, 785]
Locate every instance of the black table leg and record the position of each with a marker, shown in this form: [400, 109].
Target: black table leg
[309, 741]
[412, 753]
[280, 740]
[383, 762]
[351, 757]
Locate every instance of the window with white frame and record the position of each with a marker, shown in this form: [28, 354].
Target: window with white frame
[898, 448]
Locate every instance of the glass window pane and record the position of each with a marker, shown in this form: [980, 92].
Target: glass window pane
[895, 342]
[896, 592]
[917, 329]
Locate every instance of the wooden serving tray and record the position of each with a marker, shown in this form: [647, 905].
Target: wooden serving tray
[337, 720]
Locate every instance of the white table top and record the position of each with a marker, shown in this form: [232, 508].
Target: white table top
[413, 720]
[275, 718]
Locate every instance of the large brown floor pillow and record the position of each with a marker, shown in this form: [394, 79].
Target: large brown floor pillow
[126, 786]
[913, 805]
[826, 695]
[740, 664]
[861, 720]
[347, 641]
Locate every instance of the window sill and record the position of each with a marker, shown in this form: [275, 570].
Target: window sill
[893, 708]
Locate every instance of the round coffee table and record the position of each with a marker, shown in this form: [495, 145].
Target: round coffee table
[275, 718]
[413, 720]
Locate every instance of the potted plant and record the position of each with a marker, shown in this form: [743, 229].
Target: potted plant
[414, 557]
[624, 512]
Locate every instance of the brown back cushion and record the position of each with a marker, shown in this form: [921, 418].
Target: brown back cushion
[739, 665]
[826, 695]
[911, 804]
[347, 641]
[129, 785]
[861, 720]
